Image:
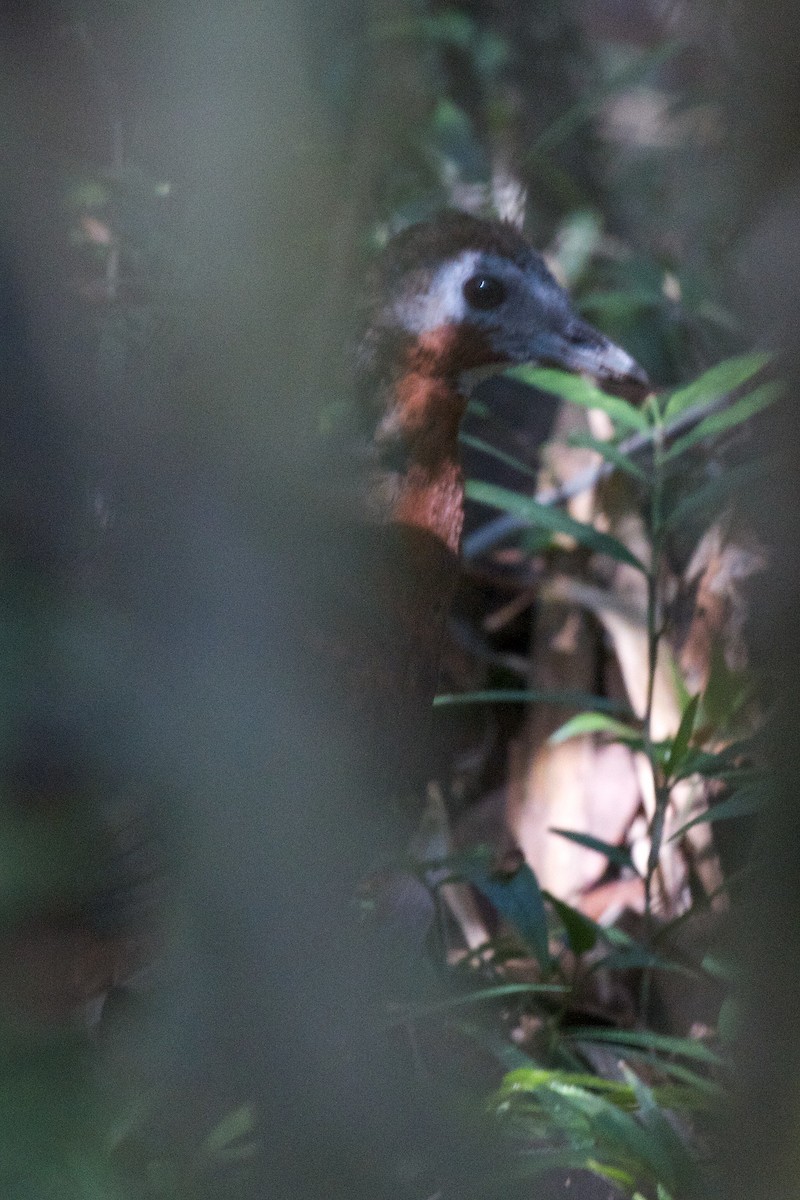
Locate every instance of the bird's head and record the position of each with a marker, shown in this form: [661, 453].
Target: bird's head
[458, 294]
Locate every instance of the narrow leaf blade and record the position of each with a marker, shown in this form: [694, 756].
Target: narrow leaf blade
[619, 855]
[680, 744]
[476, 443]
[581, 391]
[728, 418]
[610, 452]
[595, 722]
[566, 698]
[712, 384]
[745, 802]
[553, 519]
[660, 1043]
[582, 933]
[519, 899]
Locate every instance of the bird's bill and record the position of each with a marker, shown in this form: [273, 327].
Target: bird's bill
[584, 351]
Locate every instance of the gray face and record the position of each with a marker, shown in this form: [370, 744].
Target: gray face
[520, 310]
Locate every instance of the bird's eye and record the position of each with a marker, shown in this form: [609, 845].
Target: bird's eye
[484, 291]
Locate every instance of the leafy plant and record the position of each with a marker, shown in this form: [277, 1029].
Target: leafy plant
[558, 1113]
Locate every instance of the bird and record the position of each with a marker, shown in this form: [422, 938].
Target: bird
[450, 300]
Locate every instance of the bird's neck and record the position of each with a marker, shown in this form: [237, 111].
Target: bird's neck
[416, 481]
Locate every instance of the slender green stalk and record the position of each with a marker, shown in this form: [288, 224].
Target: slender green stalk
[661, 787]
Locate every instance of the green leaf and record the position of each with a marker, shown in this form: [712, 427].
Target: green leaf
[676, 675]
[237, 1124]
[621, 1142]
[730, 1023]
[528, 1079]
[402, 1013]
[519, 899]
[582, 933]
[595, 722]
[479, 408]
[671, 1158]
[546, 1160]
[449, 28]
[477, 443]
[622, 304]
[510, 1057]
[658, 1043]
[610, 452]
[721, 764]
[740, 478]
[728, 418]
[680, 744]
[619, 855]
[727, 691]
[712, 384]
[720, 969]
[579, 237]
[568, 699]
[545, 517]
[581, 391]
[705, 1089]
[747, 801]
[639, 958]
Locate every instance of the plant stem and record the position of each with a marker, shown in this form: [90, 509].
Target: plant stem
[661, 789]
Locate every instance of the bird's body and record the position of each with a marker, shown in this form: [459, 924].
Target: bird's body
[452, 299]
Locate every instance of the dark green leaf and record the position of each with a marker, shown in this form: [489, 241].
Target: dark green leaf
[621, 1143]
[582, 934]
[680, 743]
[553, 519]
[707, 1088]
[510, 1057]
[449, 28]
[730, 1023]
[621, 304]
[712, 384]
[671, 1157]
[476, 443]
[638, 958]
[402, 1013]
[721, 763]
[237, 1124]
[479, 408]
[727, 418]
[726, 692]
[581, 391]
[568, 699]
[519, 899]
[745, 802]
[609, 451]
[618, 855]
[595, 722]
[658, 1043]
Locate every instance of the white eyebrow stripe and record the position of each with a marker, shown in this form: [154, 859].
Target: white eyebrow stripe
[442, 302]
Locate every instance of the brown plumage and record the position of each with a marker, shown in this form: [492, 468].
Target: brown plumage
[450, 298]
